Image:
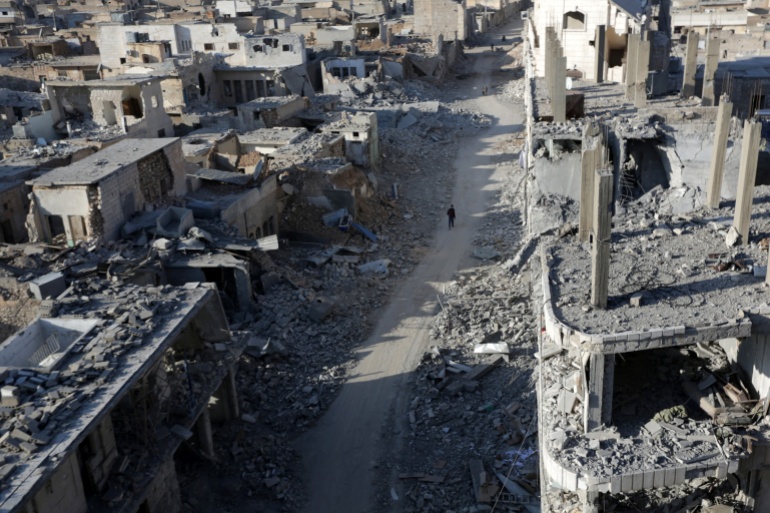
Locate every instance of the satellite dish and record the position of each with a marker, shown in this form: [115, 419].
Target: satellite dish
[569, 84]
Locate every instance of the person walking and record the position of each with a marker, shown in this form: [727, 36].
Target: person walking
[451, 216]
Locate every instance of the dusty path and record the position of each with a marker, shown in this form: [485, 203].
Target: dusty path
[339, 453]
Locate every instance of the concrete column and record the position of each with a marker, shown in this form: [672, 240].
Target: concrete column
[205, 434]
[600, 47]
[600, 254]
[590, 501]
[592, 418]
[642, 70]
[712, 61]
[722, 130]
[549, 45]
[632, 50]
[559, 97]
[232, 394]
[592, 159]
[609, 386]
[747, 176]
[690, 65]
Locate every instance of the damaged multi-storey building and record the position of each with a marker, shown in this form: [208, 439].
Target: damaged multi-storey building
[651, 293]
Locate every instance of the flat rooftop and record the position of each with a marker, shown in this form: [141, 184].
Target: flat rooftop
[681, 266]
[269, 102]
[273, 136]
[100, 165]
[117, 81]
[83, 391]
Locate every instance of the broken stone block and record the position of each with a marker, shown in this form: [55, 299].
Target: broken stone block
[10, 396]
[162, 244]
[199, 234]
[406, 121]
[320, 309]
[636, 300]
[375, 267]
[48, 286]
[733, 237]
[492, 348]
[174, 222]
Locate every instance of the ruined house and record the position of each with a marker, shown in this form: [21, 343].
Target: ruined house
[86, 425]
[362, 145]
[247, 202]
[264, 66]
[133, 104]
[270, 112]
[94, 197]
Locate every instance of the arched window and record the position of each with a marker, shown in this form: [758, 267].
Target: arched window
[574, 20]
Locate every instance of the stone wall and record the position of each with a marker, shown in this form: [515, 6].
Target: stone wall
[163, 495]
[63, 491]
[580, 53]
[14, 205]
[447, 18]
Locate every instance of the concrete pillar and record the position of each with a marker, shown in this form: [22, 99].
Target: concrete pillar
[600, 254]
[559, 97]
[747, 176]
[722, 130]
[590, 501]
[205, 434]
[642, 70]
[592, 419]
[550, 36]
[232, 394]
[600, 47]
[592, 159]
[690, 65]
[632, 50]
[712, 61]
[609, 386]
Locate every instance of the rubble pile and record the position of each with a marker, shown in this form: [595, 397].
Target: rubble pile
[473, 404]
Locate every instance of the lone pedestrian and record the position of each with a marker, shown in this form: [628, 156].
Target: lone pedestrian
[451, 216]
[492, 47]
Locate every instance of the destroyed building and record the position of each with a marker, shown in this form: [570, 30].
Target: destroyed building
[96, 196]
[362, 146]
[130, 104]
[651, 308]
[92, 387]
[595, 31]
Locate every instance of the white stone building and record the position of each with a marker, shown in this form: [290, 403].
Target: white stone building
[576, 26]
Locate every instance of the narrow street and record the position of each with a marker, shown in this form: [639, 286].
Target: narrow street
[341, 451]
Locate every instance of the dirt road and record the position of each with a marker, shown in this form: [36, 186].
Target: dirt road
[340, 452]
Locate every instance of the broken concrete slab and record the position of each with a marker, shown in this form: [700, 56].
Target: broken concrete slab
[375, 267]
[492, 348]
[48, 286]
[174, 222]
